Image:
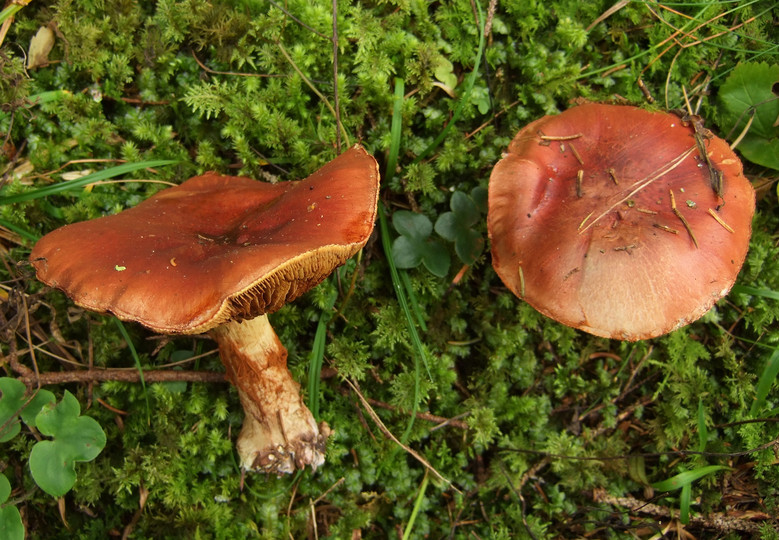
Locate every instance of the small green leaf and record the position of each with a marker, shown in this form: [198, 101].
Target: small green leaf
[684, 503]
[11, 527]
[436, 259]
[444, 72]
[686, 477]
[75, 438]
[464, 208]
[415, 247]
[5, 488]
[479, 197]
[469, 246]
[446, 226]
[456, 226]
[749, 91]
[412, 225]
[406, 253]
[13, 402]
[38, 401]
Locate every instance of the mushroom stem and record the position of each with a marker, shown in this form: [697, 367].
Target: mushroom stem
[279, 433]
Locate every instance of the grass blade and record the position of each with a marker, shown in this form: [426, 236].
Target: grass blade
[754, 291]
[703, 432]
[85, 180]
[765, 383]
[684, 503]
[397, 112]
[24, 233]
[413, 300]
[466, 94]
[397, 118]
[138, 366]
[317, 355]
[10, 10]
[686, 477]
[417, 504]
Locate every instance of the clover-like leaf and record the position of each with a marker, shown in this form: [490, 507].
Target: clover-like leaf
[457, 226]
[75, 438]
[13, 402]
[751, 89]
[444, 72]
[479, 196]
[11, 527]
[414, 245]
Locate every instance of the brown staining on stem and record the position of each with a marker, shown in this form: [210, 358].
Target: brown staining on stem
[646, 211]
[678, 214]
[719, 220]
[579, 178]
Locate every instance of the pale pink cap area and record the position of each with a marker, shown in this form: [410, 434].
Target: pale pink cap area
[582, 224]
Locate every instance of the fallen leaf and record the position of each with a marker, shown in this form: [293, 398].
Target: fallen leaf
[40, 47]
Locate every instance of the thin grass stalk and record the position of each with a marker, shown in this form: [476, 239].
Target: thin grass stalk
[417, 505]
[764, 384]
[316, 358]
[24, 233]
[464, 97]
[397, 118]
[138, 366]
[85, 180]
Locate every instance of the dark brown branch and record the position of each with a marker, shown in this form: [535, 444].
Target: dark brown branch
[440, 420]
[122, 375]
[421, 415]
[235, 73]
[721, 522]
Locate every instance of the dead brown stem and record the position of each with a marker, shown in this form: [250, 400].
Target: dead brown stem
[421, 415]
[30, 379]
[718, 521]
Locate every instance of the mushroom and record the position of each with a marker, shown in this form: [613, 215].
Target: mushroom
[216, 254]
[619, 221]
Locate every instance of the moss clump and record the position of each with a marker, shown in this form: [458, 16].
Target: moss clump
[248, 88]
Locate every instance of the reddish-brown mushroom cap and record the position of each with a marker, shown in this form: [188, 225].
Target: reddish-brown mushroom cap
[583, 227]
[215, 248]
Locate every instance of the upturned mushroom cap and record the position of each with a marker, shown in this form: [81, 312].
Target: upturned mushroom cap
[583, 228]
[215, 248]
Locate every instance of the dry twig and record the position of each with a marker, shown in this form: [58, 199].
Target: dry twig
[387, 433]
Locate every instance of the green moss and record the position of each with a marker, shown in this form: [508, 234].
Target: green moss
[549, 413]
